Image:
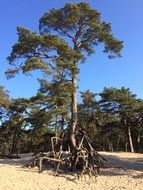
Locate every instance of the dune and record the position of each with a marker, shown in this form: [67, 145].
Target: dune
[13, 176]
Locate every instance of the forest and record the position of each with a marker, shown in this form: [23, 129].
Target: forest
[112, 119]
[107, 121]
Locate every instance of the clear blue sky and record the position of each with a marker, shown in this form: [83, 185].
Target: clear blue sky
[125, 17]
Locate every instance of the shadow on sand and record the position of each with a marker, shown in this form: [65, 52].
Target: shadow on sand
[24, 159]
[129, 164]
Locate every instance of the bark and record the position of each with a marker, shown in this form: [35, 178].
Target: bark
[118, 142]
[110, 145]
[14, 141]
[126, 145]
[139, 141]
[128, 127]
[73, 115]
[130, 139]
[16, 135]
[56, 126]
[74, 101]
[62, 123]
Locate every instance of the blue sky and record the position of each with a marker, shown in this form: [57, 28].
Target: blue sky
[125, 17]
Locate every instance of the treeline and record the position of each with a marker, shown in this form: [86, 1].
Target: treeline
[64, 39]
[113, 119]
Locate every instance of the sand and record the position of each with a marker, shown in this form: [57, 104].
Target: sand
[13, 176]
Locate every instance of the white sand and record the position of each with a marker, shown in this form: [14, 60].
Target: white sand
[14, 177]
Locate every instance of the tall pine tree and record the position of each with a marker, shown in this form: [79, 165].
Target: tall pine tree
[66, 37]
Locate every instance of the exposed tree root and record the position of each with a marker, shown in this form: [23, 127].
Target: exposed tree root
[84, 160]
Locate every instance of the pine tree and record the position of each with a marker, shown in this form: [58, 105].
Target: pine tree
[66, 37]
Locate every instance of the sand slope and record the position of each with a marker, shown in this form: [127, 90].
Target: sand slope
[15, 177]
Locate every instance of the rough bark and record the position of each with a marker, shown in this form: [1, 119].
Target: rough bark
[128, 127]
[110, 145]
[139, 141]
[73, 114]
[118, 142]
[126, 145]
[130, 139]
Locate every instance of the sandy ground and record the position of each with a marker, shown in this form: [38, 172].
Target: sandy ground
[13, 176]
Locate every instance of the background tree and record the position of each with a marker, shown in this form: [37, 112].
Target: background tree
[124, 105]
[12, 126]
[4, 102]
[4, 97]
[88, 113]
[57, 97]
[38, 134]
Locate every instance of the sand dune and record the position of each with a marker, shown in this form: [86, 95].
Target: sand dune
[13, 176]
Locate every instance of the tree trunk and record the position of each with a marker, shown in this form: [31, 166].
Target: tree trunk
[130, 139]
[14, 141]
[139, 141]
[56, 127]
[128, 127]
[110, 145]
[73, 114]
[118, 142]
[62, 123]
[126, 144]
